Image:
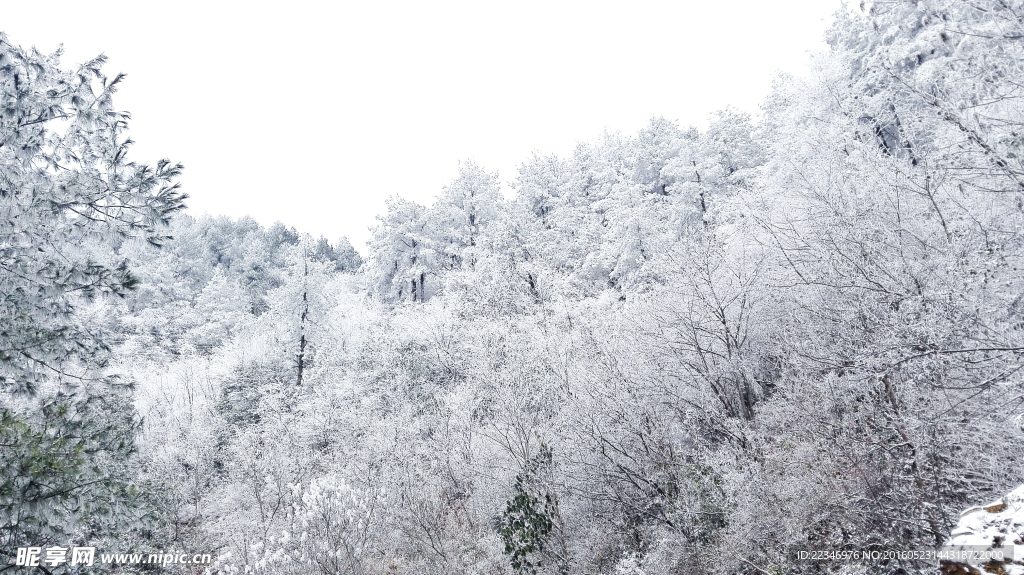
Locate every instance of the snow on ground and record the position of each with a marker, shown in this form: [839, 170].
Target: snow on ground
[1000, 523]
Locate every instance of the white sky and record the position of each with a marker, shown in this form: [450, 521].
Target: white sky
[312, 113]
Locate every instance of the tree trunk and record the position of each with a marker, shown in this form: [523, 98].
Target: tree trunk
[302, 327]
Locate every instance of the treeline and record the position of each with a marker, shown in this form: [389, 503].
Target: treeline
[682, 351]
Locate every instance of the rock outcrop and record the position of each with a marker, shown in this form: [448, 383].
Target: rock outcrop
[998, 525]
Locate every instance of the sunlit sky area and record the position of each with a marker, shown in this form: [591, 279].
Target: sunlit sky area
[312, 113]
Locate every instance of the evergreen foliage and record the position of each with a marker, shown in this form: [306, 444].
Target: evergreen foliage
[804, 331]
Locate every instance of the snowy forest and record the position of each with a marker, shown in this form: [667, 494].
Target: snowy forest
[677, 351]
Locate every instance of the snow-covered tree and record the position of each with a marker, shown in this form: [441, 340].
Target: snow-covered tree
[398, 252]
[68, 195]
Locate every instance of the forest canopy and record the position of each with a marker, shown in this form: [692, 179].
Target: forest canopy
[677, 351]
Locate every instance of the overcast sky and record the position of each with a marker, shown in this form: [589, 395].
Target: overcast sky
[312, 113]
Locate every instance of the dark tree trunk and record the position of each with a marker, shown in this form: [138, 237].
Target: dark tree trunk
[302, 329]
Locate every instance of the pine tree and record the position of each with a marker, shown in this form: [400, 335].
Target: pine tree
[68, 197]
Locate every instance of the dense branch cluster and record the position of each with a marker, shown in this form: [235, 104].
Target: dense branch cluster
[683, 351]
